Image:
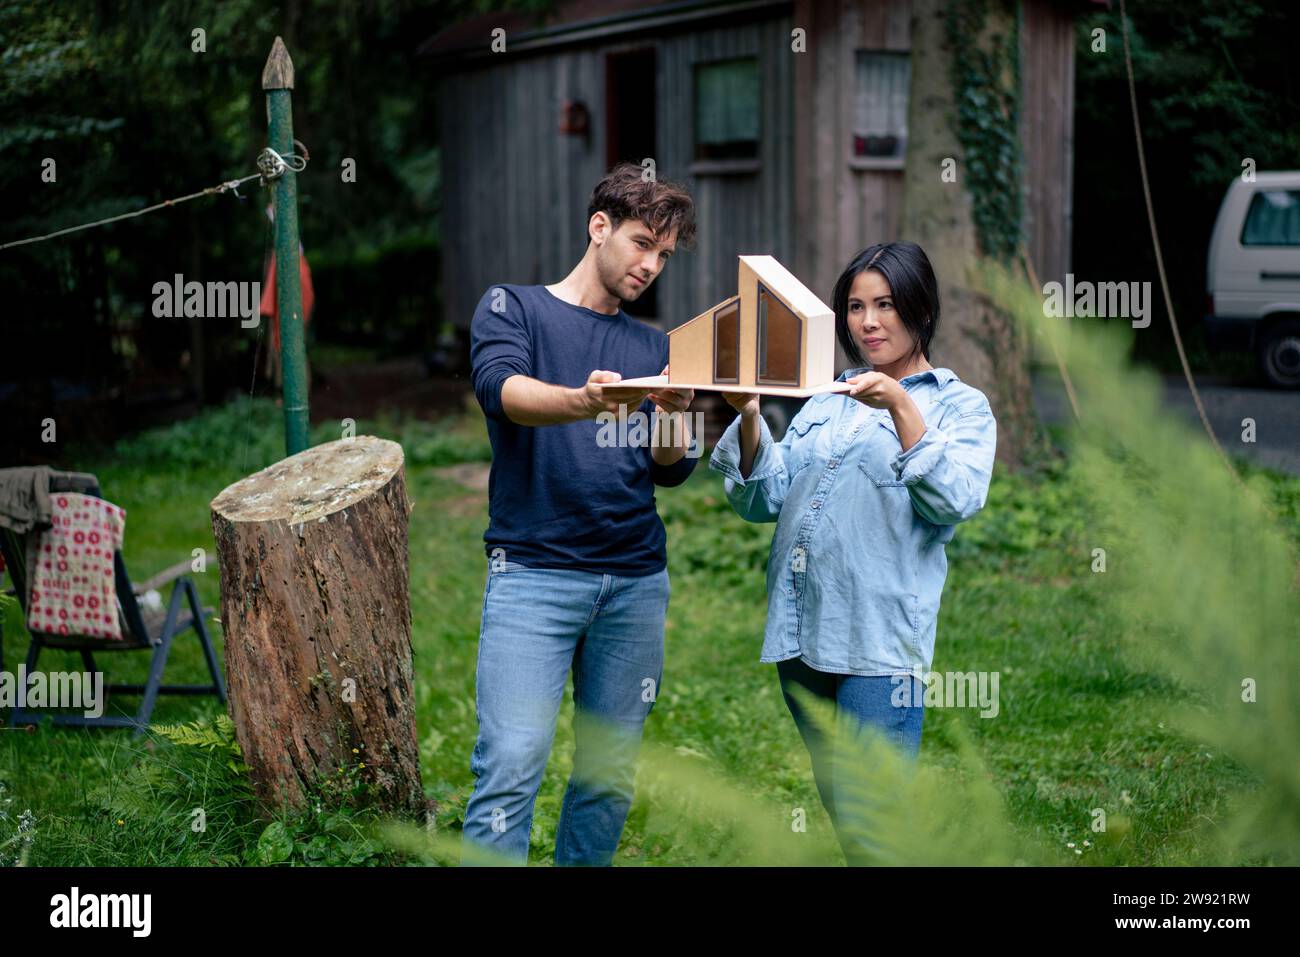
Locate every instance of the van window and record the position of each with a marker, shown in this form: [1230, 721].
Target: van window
[1273, 219]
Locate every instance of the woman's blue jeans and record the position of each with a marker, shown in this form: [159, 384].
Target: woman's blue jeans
[538, 624]
[869, 702]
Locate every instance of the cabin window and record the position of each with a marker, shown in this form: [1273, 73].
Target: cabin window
[880, 108]
[726, 110]
[779, 335]
[1273, 219]
[726, 343]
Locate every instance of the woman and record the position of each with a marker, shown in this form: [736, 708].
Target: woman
[865, 488]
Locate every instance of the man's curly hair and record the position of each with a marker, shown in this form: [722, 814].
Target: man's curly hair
[661, 205]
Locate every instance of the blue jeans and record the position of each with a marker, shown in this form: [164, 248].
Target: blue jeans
[538, 623]
[867, 700]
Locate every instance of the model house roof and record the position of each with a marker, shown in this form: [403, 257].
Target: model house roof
[781, 281]
[706, 314]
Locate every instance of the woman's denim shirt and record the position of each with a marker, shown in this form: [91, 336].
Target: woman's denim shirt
[857, 563]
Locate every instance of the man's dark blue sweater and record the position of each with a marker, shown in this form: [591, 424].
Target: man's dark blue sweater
[556, 497]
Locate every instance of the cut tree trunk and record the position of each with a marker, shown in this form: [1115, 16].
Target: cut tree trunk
[316, 610]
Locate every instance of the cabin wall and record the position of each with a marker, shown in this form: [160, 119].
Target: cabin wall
[516, 189]
[738, 214]
[1047, 134]
[840, 209]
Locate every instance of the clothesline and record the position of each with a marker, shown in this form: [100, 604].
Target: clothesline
[270, 164]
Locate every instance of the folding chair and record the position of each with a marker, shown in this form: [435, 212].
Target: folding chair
[142, 628]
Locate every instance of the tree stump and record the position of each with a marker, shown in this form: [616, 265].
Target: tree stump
[315, 604]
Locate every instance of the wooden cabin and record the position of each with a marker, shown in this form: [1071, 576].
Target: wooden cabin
[799, 156]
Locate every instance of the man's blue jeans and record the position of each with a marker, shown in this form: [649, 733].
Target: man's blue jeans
[538, 623]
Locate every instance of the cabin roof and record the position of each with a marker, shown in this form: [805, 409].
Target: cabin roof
[579, 21]
[576, 21]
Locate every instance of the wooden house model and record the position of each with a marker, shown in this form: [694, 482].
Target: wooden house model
[774, 337]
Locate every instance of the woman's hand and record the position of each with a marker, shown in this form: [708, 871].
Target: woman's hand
[746, 403]
[877, 390]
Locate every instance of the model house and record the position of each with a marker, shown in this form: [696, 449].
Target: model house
[773, 337]
[773, 332]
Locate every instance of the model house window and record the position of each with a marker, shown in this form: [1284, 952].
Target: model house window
[779, 334]
[880, 105]
[1273, 219]
[726, 343]
[726, 109]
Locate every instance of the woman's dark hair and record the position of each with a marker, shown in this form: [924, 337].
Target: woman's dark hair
[911, 283]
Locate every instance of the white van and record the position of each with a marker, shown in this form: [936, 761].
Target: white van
[1252, 275]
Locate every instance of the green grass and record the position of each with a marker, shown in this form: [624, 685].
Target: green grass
[1080, 726]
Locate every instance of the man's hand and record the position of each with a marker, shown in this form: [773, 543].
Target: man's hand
[672, 431]
[877, 390]
[595, 400]
[672, 400]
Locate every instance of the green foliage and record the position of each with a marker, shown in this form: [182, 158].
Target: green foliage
[131, 114]
[1039, 521]
[388, 284]
[15, 847]
[184, 799]
[708, 542]
[1207, 81]
[436, 444]
[274, 846]
[320, 839]
[332, 833]
[1108, 682]
[217, 736]
[242, 434]
[985, 76]
[1200, 568]
[152, 810]
[248, 434]
[337, 828]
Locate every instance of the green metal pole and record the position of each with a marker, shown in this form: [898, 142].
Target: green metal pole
[277, 81]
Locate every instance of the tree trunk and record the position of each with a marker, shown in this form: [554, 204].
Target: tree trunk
[316, 610]
[976, 340]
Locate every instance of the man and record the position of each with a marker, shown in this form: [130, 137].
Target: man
[577, 570]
